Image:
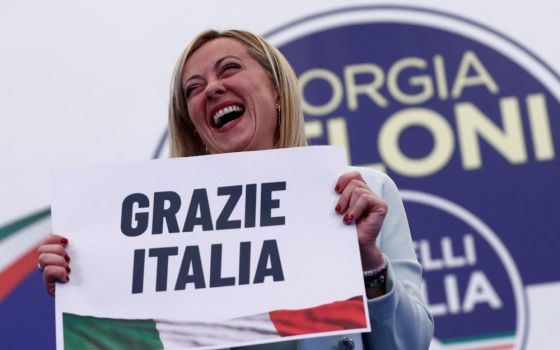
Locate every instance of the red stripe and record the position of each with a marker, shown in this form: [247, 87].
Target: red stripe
[17, 271]
[335, 316]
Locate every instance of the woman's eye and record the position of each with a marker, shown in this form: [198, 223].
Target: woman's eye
[230, 66]
[189, 90]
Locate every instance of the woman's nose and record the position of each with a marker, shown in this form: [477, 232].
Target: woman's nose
[214, 89]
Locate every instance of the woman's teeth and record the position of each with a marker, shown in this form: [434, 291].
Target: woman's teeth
[227, 114]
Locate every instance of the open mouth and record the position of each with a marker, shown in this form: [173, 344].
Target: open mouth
[226, 115]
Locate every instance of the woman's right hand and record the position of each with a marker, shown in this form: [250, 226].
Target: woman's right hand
[53, 261]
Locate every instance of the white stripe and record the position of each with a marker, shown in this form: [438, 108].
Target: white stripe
[17, 244]
[179, 334]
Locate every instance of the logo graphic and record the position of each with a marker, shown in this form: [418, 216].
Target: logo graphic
[18, 249]
[390, 76]
[468, 116]
[471, 283]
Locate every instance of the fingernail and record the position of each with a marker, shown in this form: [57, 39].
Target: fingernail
[67, 278]
[63, 241]
[67, 258]
[337, 208]
[68, 269]
[348, 218]
[337, 188]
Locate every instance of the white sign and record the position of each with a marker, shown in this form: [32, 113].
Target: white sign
[207, 252]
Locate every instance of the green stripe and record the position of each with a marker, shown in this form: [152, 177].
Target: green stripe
[22, 223]
[478, 338]
[92, 333]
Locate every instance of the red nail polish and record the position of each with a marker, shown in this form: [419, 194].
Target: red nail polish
[348, 219]
[337, 208]
[337, 188]
[63, 241]
[68, 269]
[67, 258]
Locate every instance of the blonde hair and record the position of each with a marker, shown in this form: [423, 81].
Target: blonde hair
[184, 142]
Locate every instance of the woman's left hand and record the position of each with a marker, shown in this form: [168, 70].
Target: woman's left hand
[359, 204]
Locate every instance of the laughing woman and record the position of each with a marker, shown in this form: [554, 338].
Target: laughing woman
[234, 92]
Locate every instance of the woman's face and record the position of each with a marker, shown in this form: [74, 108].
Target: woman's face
[230, 98]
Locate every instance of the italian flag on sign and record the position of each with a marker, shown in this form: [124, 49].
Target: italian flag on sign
[87, 332]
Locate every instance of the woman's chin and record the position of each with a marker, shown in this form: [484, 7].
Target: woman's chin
[231, 147]
[241, 140]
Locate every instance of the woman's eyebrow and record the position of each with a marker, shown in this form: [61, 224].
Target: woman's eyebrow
[216, 65]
